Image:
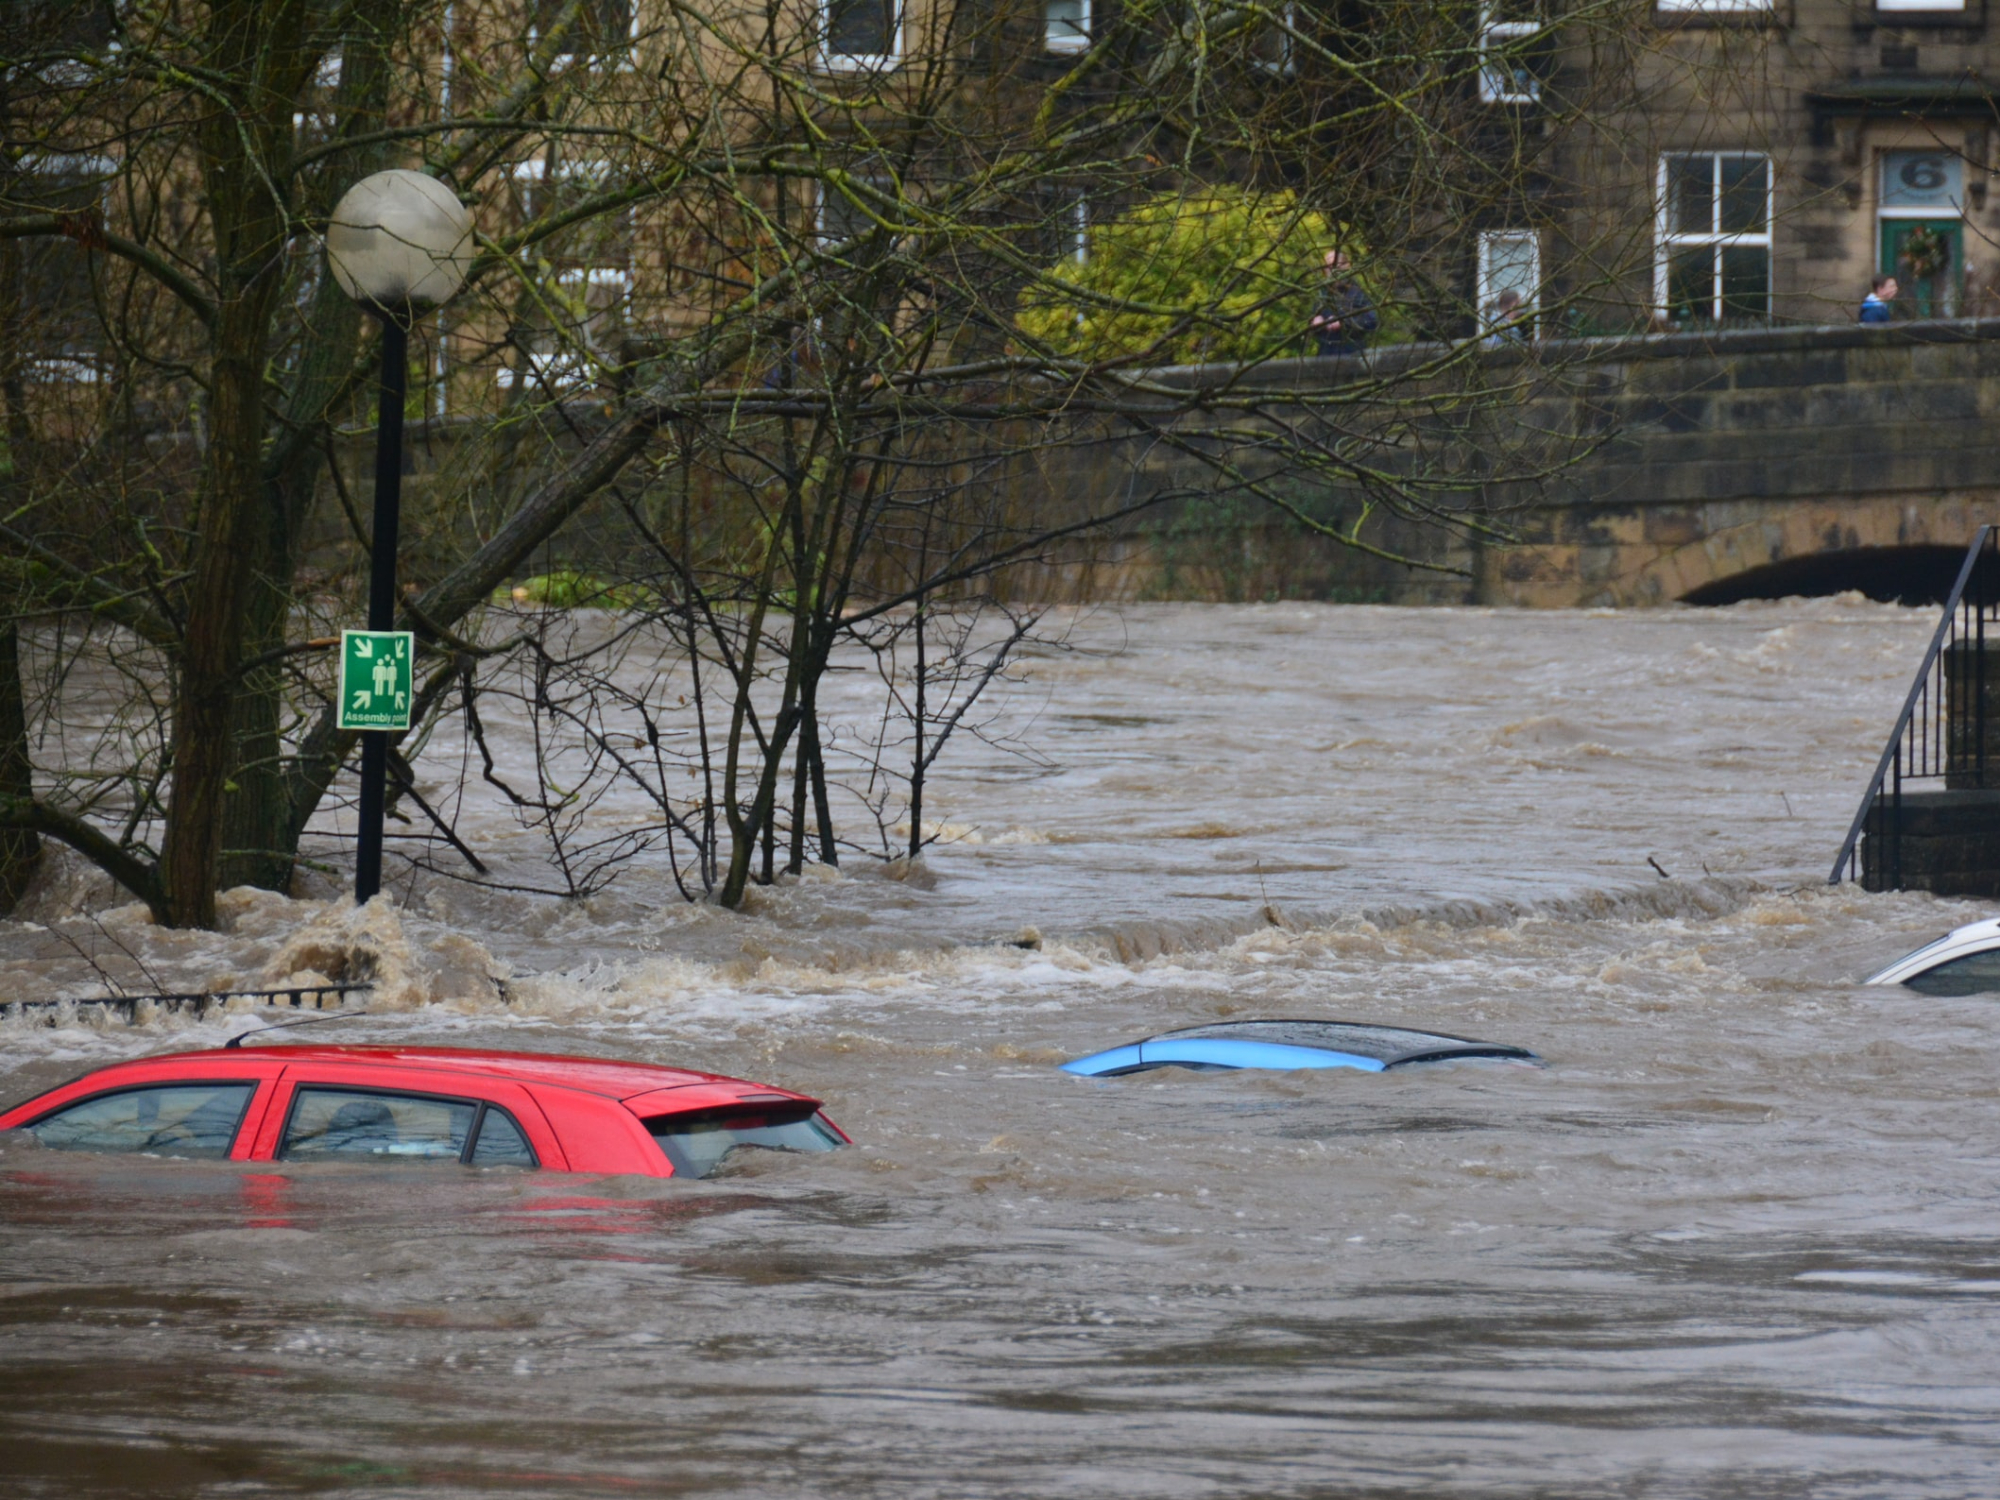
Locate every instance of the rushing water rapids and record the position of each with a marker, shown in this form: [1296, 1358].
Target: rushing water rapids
[1739, 1237]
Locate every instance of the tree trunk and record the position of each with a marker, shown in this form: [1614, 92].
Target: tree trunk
[224, 567]
[259, 836]
[260, 42]
[20, 848]
[917, 731]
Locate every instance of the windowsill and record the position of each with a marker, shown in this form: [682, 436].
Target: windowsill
[1971, 17]
[1746, 17]
[1066, 44]
[565, 372]
[568, 61]
[611, 60]
[850, 62]
[63, 369]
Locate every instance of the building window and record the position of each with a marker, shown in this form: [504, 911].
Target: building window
[1713, 7]
[1062, 232]
[860, 34]
[1510, 281]
[52, 26]
[1714, 252]
[61, 332]
[602, 31]
[1066, 25]
[838, 219]
[578, 326]
[1272, 50]
[1506, 70]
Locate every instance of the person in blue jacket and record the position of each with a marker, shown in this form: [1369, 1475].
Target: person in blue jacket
[1875, 306]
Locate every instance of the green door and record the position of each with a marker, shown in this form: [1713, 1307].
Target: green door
[1927, 258]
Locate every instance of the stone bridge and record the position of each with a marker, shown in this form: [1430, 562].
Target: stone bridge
[1749, 463]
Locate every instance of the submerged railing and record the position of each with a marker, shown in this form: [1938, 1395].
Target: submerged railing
[203, 1005]
[1941, 735]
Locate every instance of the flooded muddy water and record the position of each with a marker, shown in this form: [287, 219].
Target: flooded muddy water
[1739, 1237]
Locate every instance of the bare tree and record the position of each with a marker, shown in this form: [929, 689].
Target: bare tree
[758, 338]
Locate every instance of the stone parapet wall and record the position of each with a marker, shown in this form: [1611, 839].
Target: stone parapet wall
[1703, 457]
[1697, 459]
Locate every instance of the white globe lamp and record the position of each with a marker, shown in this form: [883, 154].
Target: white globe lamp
[400, 243]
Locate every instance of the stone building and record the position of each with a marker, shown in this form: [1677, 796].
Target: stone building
[1759, 159]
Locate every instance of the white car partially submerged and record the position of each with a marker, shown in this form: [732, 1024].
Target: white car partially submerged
[1965, 961]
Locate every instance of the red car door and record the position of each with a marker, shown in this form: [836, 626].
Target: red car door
[391, 1084]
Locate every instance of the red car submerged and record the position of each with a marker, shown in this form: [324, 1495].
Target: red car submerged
[424, 1104]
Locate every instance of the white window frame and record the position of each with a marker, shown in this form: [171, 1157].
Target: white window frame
[1715, 7]
[62, 369]
[570, 168]
[557, 370]
[1531, 307]
[620, 59]
[1954, 6]
[440, 367]
[1282, 63]
[562, 368]
[1667, 240]
[67, 369]
[448, 62]
[1496, 83]
[825, 195]
[68, 164]
[1067, 42]
[1079, 229]
[858, 62]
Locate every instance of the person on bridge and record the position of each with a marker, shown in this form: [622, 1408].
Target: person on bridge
[1875, 306]
[1345, 317]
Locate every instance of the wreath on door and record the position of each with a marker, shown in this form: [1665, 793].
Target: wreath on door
[1927, 251]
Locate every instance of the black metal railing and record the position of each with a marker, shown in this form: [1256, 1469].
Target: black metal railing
[1941, 735]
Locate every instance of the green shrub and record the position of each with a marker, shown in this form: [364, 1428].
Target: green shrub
[1237, 271]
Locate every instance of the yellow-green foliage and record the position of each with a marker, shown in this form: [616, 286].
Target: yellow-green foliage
[1239, 269]
[568, 588]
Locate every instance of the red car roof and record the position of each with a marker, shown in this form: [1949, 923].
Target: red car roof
[614, 1078]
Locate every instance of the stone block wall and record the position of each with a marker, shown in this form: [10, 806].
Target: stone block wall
[1701, 458]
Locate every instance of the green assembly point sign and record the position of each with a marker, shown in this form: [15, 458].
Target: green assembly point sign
[376, 671]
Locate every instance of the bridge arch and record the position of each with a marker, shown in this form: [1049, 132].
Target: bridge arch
[1921, 574]
[1889, 547]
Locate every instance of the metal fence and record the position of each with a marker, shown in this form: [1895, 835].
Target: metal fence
[206, 1005]
[1941, 735]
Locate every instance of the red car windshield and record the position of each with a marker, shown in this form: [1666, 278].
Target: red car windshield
[696, 1143]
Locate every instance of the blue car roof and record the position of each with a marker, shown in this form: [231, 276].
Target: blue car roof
[1289, 1044]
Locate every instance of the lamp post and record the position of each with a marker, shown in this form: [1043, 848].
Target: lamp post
[400, 244]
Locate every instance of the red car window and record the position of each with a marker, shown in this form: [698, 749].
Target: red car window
[375, 1125]
[401, 1113]
[170, 1119]
[498, 1141]
[388, 1125]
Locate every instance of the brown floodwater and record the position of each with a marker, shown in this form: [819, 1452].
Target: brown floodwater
[1738, 1237]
